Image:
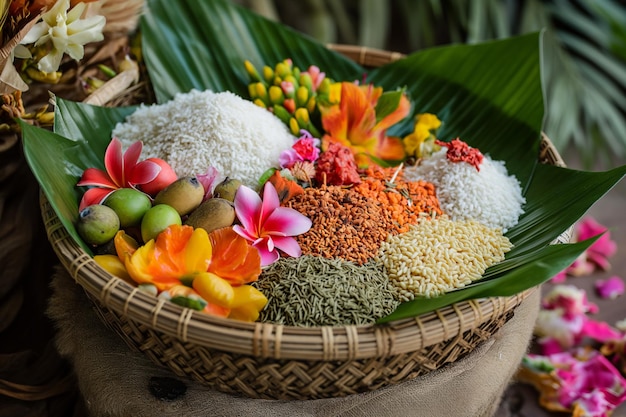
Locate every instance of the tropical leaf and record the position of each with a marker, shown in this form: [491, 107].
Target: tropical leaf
[203, 45]
[488, 94]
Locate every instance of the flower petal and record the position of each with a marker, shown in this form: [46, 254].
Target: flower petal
[267, 257]
[287, 222]
[248, 209]
[130, 158]
[271, 202]
[610, 288]
[390, 149]
[288, 245]
[403, 109]
[114, 162]
[600, 331]
[233, 258]
[143, 173]
[96, 177]
[198, 251]
[244, 233]
[94, 196]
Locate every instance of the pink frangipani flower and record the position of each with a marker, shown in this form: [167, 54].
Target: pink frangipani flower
[122, 171]
[268, 225]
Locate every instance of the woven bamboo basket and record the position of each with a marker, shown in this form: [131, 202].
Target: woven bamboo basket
[263, 360]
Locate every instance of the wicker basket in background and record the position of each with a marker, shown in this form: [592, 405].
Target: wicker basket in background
[263, 360]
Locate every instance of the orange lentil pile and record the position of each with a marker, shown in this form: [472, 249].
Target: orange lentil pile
[404, 200]
[346, 224]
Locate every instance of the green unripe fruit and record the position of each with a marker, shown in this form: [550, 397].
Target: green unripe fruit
[157, 219]
[129, 204]
[97, 224]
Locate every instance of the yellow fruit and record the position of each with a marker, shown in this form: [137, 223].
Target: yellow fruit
[114, 266]
[214, 289]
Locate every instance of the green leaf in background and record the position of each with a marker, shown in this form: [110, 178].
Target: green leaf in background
[203, 45]
[488, 95]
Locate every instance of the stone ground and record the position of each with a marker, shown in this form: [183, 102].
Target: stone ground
[522, 400]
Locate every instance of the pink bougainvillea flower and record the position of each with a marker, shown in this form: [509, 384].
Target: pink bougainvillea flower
[353, 122]
[611, 287]
[122, 171]
[268, 225]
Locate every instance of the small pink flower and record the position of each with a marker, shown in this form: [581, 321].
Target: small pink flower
[581, 266]
[288, 158]
[288, 88]
[306, 148]
[611, 288]
[603, 248]
[571, 299]
[122, 171]
[316, 76]
[209, 180]
[268, 225]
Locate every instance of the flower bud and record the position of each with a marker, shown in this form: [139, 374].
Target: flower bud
[302, 96]
[276, 95]
[268, 74]
[251, 70]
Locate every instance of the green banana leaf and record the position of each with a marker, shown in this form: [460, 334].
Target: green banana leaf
[488, 94]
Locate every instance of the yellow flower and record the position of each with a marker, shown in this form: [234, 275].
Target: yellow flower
[421, 142]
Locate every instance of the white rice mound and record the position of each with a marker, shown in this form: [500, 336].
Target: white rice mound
[490, 196]
[200, 129]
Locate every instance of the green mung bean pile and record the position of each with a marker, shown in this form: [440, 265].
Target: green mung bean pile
[314, 291]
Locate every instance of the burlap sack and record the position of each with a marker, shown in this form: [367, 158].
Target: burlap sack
[115, 381]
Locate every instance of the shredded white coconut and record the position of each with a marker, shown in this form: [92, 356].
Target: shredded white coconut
[200, 129]
[490, 196]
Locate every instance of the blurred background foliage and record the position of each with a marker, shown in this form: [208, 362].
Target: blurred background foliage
[584, 51]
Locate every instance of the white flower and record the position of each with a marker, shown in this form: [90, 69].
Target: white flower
[66, 31]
